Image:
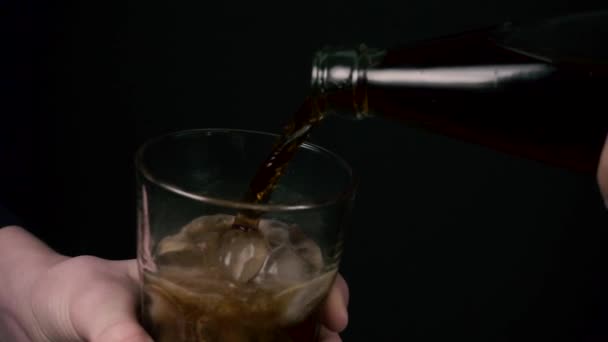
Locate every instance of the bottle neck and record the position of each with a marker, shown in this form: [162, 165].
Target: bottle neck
[339, 79]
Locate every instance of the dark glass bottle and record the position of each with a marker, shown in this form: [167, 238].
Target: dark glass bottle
[537, 91]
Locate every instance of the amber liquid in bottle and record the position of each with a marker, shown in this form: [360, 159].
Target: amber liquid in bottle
[473, 89]
[535, 90]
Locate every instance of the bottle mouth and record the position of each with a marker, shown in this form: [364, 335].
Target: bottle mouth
[344, 70]
[334, 68]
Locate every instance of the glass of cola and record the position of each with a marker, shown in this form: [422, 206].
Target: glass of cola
[205, 279]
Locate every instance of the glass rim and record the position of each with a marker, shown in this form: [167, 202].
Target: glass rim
[346, 193]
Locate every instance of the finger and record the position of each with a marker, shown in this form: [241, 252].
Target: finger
[334, 314]
[130, 269]
[329, 336]
[108, 315]
[124, 330]
[11, 329]
[602, 173]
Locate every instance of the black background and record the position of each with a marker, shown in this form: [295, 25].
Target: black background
[448, 240]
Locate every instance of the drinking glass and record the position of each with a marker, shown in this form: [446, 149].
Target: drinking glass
[205, 280]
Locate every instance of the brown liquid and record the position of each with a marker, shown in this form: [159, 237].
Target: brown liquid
[270, 171]
[177, 313]
[205, 290]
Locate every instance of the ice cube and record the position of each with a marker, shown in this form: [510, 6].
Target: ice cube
[173, 243]
[186, 257]
[275, 232]
[196, 244]
[298, 301]
[284, 266]
[309, 251]
[206, 224]
[242, 253]
[293, 258]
